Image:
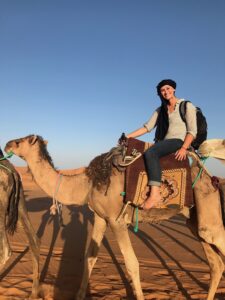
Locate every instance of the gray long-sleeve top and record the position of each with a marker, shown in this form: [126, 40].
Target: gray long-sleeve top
[177, 128]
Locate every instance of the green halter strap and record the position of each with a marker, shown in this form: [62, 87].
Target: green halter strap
[10, 154]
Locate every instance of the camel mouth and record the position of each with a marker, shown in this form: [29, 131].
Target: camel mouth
[8, 149]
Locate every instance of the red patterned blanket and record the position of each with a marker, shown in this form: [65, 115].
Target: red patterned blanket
[176, 185]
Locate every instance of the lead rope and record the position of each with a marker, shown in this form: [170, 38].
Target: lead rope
[136, 221]
[125, 207]
[6, 168]
[56, 205]
[203, 159]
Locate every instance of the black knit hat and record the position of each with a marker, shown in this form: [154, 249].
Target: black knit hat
[165, 82]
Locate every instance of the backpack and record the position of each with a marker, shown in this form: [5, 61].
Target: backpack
[201, 124]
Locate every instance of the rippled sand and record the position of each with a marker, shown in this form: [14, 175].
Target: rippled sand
[172, 262]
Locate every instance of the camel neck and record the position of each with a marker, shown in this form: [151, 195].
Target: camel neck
[72, 189]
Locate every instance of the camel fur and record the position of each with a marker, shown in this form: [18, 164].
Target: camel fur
[13, 209]
[79, 190]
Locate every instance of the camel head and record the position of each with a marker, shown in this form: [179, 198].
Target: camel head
[29, 145]
[214, 148]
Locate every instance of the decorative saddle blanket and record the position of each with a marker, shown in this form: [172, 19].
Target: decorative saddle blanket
[176, 188]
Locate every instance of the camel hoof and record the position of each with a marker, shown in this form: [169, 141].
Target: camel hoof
[37, 293]
[80, 295]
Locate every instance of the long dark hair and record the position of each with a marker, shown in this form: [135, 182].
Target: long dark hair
[162, 123]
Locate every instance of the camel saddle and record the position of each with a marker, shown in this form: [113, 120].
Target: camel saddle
[176, 187]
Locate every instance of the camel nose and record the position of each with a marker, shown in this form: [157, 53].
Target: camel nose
[7, 148]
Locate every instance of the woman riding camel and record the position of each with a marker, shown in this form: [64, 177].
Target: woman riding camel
[172, 135]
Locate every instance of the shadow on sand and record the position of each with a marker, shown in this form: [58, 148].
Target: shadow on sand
[73, 237]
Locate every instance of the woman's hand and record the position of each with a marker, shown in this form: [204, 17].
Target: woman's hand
[123, 139]
[181, 154]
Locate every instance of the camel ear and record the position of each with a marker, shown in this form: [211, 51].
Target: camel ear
[33, 139]
[45, 142]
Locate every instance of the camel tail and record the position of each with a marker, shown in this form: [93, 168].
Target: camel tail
[12, 209]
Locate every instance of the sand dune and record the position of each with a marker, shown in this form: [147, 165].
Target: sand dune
[172, 262]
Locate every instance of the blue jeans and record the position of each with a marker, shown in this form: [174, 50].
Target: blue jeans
[154, 153]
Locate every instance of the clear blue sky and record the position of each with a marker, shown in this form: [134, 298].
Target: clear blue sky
[79, 73]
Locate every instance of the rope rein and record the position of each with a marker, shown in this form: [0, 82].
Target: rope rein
[136, 223]
[6, 168]
[56, 205]
[203, 159]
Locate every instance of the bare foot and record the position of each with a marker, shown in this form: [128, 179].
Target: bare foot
[151, 202]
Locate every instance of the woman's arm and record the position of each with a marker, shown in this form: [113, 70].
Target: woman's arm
[187, 141]
[137, 132]
[182, 152]
[191, 123]
[148, 126]
[191, 120]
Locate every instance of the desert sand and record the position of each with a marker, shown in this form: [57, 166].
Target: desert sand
[172, 262]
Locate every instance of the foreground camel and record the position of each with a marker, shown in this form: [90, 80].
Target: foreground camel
[106, 202]
[12, 207]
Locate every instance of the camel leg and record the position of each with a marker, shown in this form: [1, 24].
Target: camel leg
[5, 251]
[34, 244]
[132, 265]
[216, 268]
[215, 261]
[91, 254]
